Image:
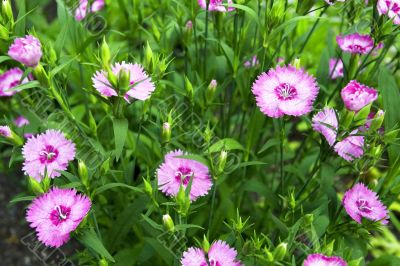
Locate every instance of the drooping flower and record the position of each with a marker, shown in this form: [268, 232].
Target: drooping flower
[355, 43]
[21, 121]
[326, 123]
[49, 152]
[285, 91]
[252, 63]
[174, 172]
[356, 95]
[391, 8]
[9, 80]
[141, 84]
[335, 68]
[27, 51]
[322, 260]
[219, 254]
[216, 5]
[5, 131]
[360, 201]
[350, 148]
[56, 214]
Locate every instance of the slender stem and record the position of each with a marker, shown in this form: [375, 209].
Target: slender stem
[205, 42]
[212, 206]
[282, 139]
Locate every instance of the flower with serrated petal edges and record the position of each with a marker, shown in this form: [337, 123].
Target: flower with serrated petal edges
[355, 43]
[326, 123]
[175, 171]
[219, 254]
[355, 95]
[27, 51]
[216, 5]
[322, 260]
[335, 68]
[359, 202]
[48, 152]
[10, 79]
[285, 90]
[351, 147]
[141, 84]
[57, 213]
[391, 8]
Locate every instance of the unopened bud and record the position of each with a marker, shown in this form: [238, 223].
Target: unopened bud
[83, 173]
[222, 160]
[41, 75]
[168, 223]
[166, 132]
[105, 54]
[7, 10]
[296, 63]
[189, 88]
[280, 252]
[211, 91]
[189, 25]
[148, 189]
[205, 244]
[148, 56]
[35, 186]
[124, 80]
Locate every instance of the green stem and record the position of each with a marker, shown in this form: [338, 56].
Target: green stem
[205, 42]
[282, 139]
[212, 206]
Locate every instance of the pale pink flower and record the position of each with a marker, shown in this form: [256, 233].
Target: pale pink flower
[360, 201]
[216, 5]
[56, 214]
[49, 152]
[350, 148]
[97, 5]
[391, 8]
[5, 131]
[21, 121]
[219, 254]
[141, 84]
[332, 2]
[335, 68]
[322, 260]
[174, 172]
[356, 95]
[82, 10]
[189, 25]
[326, 123]
[355, 43]
[9, 80]
[285, 91]
[252, 63]
[27, 51]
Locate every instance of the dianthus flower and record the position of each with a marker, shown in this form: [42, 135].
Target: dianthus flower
[335, 68]
[326, 123]
[356, 95]
[391, 8]
[27, 51]
[10, 79]
[216, 5]
[322, 260]
[355, 43]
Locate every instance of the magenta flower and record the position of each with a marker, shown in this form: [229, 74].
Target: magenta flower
[219, 254]
[9, 80]
[335, 68]
[356, 95]
[326, 123]
[322, 260]
[5, 131]
[252, 63]
[285, 91]
[216, 5]
[27, 51]
[21, 121]
[56, 214]
[350, 148]
[141, 84]
[81, 10]
[355, 43]
[391, 8]
[360, 201]
[174, 172]
[49, 152]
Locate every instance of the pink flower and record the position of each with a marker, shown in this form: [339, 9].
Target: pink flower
[331, 3]
[9, 80]
[189, 25]
[5, 131]
[174, 172]
[351, 147]
[335, 68]
[360, 202]
[355, 95]
[27, 51]
[219, 254]
[216, 5]
[326, 123]
[82, 10]
[56, 214]
[21, 121]
[141, 84]
[97, 5]
[49, 152]
[285, 91]
[252, 63]
[355, 43]
[322, 260]
[391, 8]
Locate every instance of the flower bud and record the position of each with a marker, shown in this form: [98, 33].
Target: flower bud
[205, 244]
[189, 25]
[280, 252]
[112, 78]
[166, 132]
[7, 10]
[211, 91]
[7, 133]
[105, 53]
[148, 189]
[124, 80]
[103, 262]
[183, 201]
[168, 223]
[269, 256]
[41, 75]
[35, 186]
[222, 160]
[296, 63]
[83, 173]
[148, 56]
[328, 249]
[189, 89]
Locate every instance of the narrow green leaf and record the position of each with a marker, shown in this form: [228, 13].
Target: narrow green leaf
[120, 133]
[114, 185]
[226, 144]
[91, 241]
